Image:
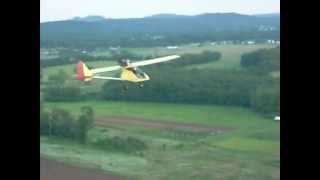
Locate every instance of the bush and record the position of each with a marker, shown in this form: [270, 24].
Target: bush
[63, 124]
[127, 145]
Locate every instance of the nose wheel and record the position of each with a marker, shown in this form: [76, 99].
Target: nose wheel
[125, 88]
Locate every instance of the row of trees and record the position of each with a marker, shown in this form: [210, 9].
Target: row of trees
[264, 60]
[60, 123]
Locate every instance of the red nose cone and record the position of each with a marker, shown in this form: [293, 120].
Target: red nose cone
[80, 73]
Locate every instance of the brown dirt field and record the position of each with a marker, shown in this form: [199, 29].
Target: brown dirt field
[159, 124]
[54, 170]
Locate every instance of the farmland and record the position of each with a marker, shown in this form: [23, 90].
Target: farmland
[184, 141]
[246, 146]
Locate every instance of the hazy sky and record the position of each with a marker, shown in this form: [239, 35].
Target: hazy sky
[52, 10]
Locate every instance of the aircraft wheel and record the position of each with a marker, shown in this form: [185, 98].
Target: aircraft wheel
[125, 88]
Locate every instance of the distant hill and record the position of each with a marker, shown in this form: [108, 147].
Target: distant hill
[160, 29]
[89, 18]
[167, 16]
[268, 15]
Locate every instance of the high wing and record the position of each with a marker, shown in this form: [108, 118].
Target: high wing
[154, 61]
[105, 69]
[135, 64]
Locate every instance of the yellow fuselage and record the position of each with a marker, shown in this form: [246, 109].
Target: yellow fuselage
[129, 75]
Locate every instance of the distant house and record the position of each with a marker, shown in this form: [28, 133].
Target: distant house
[195, 44]
[114, 48]
[277, 118]
[250, 42]
[172, 47]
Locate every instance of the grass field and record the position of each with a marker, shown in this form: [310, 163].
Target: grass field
[249, 151]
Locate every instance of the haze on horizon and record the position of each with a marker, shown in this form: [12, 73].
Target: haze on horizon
[54, 10]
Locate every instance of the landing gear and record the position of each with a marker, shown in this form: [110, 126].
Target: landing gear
[140, 85]
[125, 88]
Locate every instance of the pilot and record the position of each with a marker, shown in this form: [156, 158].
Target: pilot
[124, 62]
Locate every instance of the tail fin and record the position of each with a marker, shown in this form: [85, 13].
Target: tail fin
[83, 72]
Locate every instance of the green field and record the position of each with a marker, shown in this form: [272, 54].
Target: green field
[249, 151]
[231, 53]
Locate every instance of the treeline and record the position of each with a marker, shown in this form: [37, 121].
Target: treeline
[184, 86]
[169, 39]
[264, 60]
[236, 88]
[60, 123]
[191, 59]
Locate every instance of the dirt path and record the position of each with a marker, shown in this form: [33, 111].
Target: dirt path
[157, 124]
[53, 170]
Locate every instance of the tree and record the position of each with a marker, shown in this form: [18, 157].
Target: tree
[85, 122]
[264, 60]
[266, 99]
[62, 124]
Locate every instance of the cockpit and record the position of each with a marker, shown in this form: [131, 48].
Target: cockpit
[138, 72]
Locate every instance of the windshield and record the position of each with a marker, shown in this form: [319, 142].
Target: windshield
[138, 72]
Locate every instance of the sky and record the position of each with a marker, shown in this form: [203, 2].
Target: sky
[53, 10]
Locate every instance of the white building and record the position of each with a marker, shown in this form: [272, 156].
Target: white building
[172, 47]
